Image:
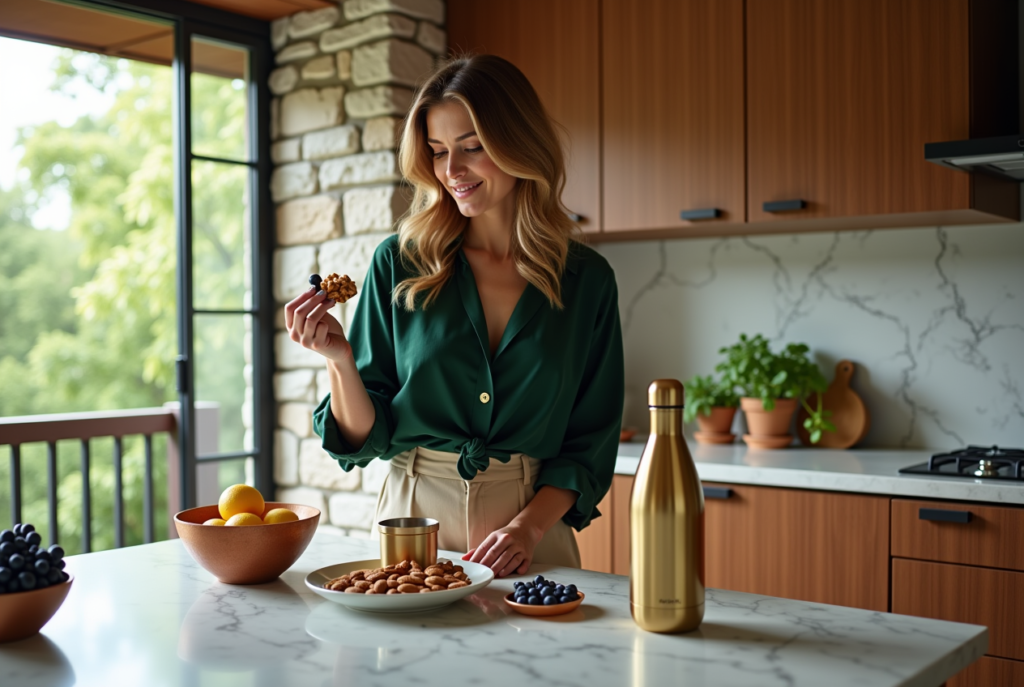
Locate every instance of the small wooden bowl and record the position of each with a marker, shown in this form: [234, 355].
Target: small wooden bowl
[246, 555]
[538, 611]
[22, 614]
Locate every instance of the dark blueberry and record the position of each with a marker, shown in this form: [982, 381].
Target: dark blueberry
[53, 576]
[56, 552]
[27, 580]
[33, 550]
[533, 600]
[41, 567]
[26, 528]
[16, 562]
[34, 539]
[519, 585]
[539, 580]
[14, 585]
[573, 596]
[522, 599]
[559, 588]
[42, 583]
[3, 588]
[20, 544]
[564, 599]
[59, 564]
[16, 529]
[44, 555]
[6, 536]
[571, 589]
[5, 575]
[64, 577]
[7, 548]
[314, 280]
[550, 600]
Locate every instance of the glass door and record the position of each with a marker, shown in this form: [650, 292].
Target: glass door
[225, 328]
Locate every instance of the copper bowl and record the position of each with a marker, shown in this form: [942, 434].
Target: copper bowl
[246, 555]
[22, 614]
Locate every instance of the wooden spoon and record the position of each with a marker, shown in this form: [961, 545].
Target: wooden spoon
[849, 414]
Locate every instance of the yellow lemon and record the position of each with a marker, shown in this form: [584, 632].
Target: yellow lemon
[243, 520]
[240, 498]
[280, 515]
[214, 521]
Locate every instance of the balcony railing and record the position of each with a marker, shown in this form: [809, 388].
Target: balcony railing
[16, 432]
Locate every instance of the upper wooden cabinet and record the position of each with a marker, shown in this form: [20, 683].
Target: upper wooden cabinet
[555, 44]
[676, 106]
[842, 96]
[673, 113]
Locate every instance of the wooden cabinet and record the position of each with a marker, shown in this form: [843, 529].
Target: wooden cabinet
[809, 545]
[725, 105]
[964, 594]
[555, 44]
[595, 541]
[964, 562]
[841, 98]
[672, 105]
[797, 544]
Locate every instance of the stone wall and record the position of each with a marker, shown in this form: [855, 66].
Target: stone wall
[343, 83]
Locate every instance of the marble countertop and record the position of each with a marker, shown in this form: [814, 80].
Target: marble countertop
[148, 615]
[865, 471]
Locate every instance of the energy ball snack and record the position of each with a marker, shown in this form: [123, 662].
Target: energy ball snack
[406, 577]
[339, 289]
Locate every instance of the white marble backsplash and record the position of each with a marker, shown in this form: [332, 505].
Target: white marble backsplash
[933, 318]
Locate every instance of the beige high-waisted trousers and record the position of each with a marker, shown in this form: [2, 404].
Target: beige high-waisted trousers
[424, 483]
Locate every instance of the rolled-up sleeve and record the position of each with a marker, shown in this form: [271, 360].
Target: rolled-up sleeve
[373, 348]
[586, 461]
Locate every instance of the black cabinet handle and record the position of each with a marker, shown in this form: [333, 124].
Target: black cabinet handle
[939, 515]
[784, 205]
[701, 213]
[575, 217]
[717, 492]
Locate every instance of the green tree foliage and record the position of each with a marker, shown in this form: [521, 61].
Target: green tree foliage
[89, 319]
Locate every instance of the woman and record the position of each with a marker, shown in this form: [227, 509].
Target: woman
[485, 355]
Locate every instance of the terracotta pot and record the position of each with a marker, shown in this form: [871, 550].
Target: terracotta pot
[775, 422]
[719, 422]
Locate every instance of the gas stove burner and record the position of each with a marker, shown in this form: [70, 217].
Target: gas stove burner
[987, 468]
[984, 462]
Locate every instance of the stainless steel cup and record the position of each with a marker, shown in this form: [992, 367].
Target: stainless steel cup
[413, 539]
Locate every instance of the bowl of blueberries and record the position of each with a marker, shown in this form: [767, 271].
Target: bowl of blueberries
[33, 583]
[541, 597]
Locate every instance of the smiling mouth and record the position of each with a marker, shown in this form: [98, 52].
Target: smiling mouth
[463, 190]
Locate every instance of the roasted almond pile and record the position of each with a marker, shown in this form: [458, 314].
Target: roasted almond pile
[403, 578]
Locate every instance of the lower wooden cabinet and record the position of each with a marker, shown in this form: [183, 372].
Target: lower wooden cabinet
[797, 544]
[990, 672]
[964, 594]
[816, 546]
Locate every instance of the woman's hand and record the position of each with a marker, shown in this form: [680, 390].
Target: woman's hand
[508, 550]
[310, 325]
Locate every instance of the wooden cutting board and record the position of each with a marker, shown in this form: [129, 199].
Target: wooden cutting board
[849, 414]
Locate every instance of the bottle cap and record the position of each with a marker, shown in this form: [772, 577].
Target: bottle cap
[665, 393]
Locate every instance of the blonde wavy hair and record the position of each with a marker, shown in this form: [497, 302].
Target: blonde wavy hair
[521, 139]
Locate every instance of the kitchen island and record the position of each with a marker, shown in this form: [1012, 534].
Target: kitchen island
[149, 615]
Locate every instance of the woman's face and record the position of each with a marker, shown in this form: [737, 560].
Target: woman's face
[462, 164]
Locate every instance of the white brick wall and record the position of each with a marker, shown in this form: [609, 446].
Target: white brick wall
[344, 81]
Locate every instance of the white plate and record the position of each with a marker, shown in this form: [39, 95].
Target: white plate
[481, 576]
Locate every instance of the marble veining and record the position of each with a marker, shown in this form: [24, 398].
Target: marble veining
[175, 624]
[933, 317]
[856, 471]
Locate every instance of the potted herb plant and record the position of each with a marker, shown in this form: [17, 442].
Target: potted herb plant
[713, 404]
[772, 385]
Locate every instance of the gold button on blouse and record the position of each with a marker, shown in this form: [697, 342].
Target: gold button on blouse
[485, 397]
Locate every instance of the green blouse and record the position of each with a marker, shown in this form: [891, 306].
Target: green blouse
[553, 389]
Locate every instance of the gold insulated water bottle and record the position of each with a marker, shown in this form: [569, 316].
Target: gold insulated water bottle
[666, 523]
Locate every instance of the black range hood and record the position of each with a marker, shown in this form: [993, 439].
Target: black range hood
[1001, 156]
[996, 146]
